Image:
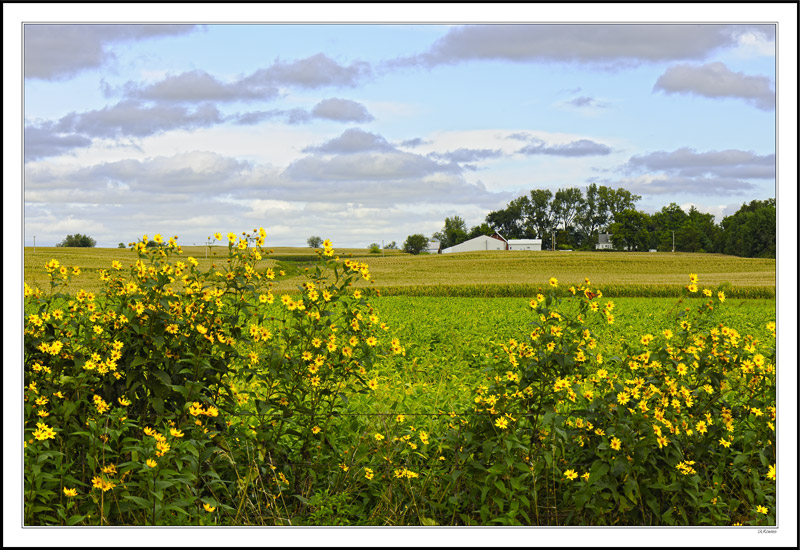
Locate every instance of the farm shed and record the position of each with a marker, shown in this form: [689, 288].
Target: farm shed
[524, 244]
[495, 242]
[434, 247]
[603, 242]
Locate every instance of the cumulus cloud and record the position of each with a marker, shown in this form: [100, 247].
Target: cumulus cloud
[415, 142]
[342, 110]
[53, 52]
[665, 184]
[688, 162]
[362, 166]
[197, 180]
[41, 142]
[198, 86]
[191, 194]
[605, 44]
[577, 148]
[137, 119]
[155, 179]
[289, 116]
[128, 118]
[312, 72]
[716, 80]
[352, 140]
[468, 155]
[684, 170]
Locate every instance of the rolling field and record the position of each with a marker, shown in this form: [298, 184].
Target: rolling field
[519, 272]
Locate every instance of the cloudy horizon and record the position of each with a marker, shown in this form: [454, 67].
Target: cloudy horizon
[369, 133]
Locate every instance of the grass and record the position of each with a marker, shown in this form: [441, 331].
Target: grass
[492, 273]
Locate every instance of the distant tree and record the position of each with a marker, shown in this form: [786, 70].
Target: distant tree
[750, 232]
[78, 240]
[121, 245]
[615, 201]
[629, 230]
[510, 221]
[415, 244]
[539, 216]
[566, 205]
[592, 217]
[391, 246]
[663, 225]
[478, 230]
[314, 241]
[453, 232]
[697, 233]
[374, 248]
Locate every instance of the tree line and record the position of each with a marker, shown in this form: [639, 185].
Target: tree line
[570, 219]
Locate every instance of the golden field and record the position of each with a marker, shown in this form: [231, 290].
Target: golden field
[396, 269]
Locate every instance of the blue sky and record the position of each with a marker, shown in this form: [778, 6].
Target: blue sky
[370, 132]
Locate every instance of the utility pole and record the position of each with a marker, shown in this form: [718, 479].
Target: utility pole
[673, 241]
[34, 244]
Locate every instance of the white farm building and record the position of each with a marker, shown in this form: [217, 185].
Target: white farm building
[495, 242]
[604, 242]
[434, 247]
[524, 244]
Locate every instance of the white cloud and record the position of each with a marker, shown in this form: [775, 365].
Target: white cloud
[688, 162]
[342, 110]
[352, 140]
[603, 45]
[312, 72]
[756, 44]
[715, 80]
[57, 51]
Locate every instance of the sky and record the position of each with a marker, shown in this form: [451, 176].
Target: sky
[365, 133]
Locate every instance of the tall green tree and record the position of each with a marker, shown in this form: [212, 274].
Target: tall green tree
[697, 233]
[539, 216]
[629, 230]
[453, 232]
[478, 230]
[510, 221]
[752, 231]
[566, 205]
[592, 217]
[615, 201]
[663, 225]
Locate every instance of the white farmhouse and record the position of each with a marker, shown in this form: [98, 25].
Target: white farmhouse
[524, 244]
[604, 242]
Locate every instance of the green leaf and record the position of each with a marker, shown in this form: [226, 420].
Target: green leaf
[75, 519]
[630, 489]
[163, 376]
[158, 405]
